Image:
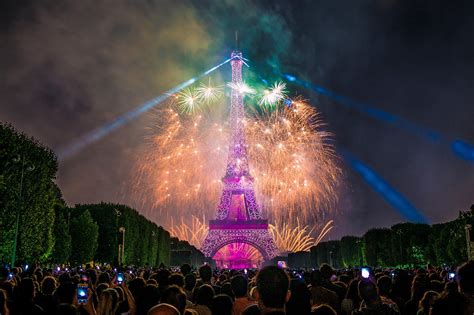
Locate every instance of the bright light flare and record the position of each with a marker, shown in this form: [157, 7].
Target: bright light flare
[241, 87]
[209, 93]
[275, 94]
[188, 100]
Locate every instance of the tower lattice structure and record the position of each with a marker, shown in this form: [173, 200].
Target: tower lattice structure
[239, 218]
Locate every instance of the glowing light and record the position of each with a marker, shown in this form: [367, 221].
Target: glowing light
[238, 256]
[275, 94]
[208, 93]
[241, 87]
[188, 100]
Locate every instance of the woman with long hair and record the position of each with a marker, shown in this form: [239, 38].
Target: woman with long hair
[108, 302]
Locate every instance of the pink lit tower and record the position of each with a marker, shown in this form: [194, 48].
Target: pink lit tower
[239, 218]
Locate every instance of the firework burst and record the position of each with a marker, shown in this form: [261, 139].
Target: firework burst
[274, 95]
[288, 238]
[178, 174]
[188, 100]
[208, 93]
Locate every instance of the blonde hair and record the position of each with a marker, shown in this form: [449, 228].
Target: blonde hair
[108, 302]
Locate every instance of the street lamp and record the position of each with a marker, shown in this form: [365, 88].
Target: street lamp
[121, 247]
[399, 232]
[468, 227]
[20, 203]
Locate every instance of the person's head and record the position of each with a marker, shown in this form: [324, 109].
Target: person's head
[316, 278]
[427, 301]
[465, 277]
[149, 297]
[300, 300]
[368, 291]
[136, 287]
[419, 286]
[176, 279]
[163, 309]
[353, 292]
[104, 277]
[162, 277]
[66, 309]
[27, 289]
[101, 288]
[273, 287]
[239, 286]
[204, 295]
[189, 282]
[384, 283]
[48, 285]
[108, 302]
[226, 288]
[252, 309]
[175, 296]
[185, 269]
[326, 271]
[222, 305]
[323, 309]
[205, 273]
[121, 294]
[65, 292]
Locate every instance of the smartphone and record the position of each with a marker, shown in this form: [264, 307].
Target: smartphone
[451, 275]
[245, 271]
[282, 264]
[10, 276]
[82, 293]
[120, 278]
[365, 272]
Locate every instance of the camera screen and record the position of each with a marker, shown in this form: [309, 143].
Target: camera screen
[82, 295]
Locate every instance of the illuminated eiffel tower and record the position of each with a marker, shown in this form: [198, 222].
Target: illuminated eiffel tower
[239, 219]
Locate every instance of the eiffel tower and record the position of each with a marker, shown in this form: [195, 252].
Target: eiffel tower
[239, 219]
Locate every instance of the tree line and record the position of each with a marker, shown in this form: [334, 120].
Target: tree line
[402, 245]
[47, 230]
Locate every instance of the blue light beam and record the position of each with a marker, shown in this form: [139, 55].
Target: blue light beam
[103, 131]
[389, 194]
[459, 148]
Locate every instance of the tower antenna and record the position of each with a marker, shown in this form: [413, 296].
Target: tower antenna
[237, 40]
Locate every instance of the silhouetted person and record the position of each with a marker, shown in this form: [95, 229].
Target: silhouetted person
[272, 290]
[240, 288]
[175, 296]
[319, 294]
[300, 299]
[222, 305]
[371, 301]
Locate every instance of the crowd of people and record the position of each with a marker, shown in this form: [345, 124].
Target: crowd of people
[207, 291]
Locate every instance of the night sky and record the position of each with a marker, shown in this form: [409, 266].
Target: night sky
[67, 67]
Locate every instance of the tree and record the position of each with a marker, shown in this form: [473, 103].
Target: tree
[378, 247]
[27, 189]
[84, 235]
[62, 245]
[351, 251]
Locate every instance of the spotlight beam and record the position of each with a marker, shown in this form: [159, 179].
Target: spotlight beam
[100, 132]
[459, 147]
[377, 183]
